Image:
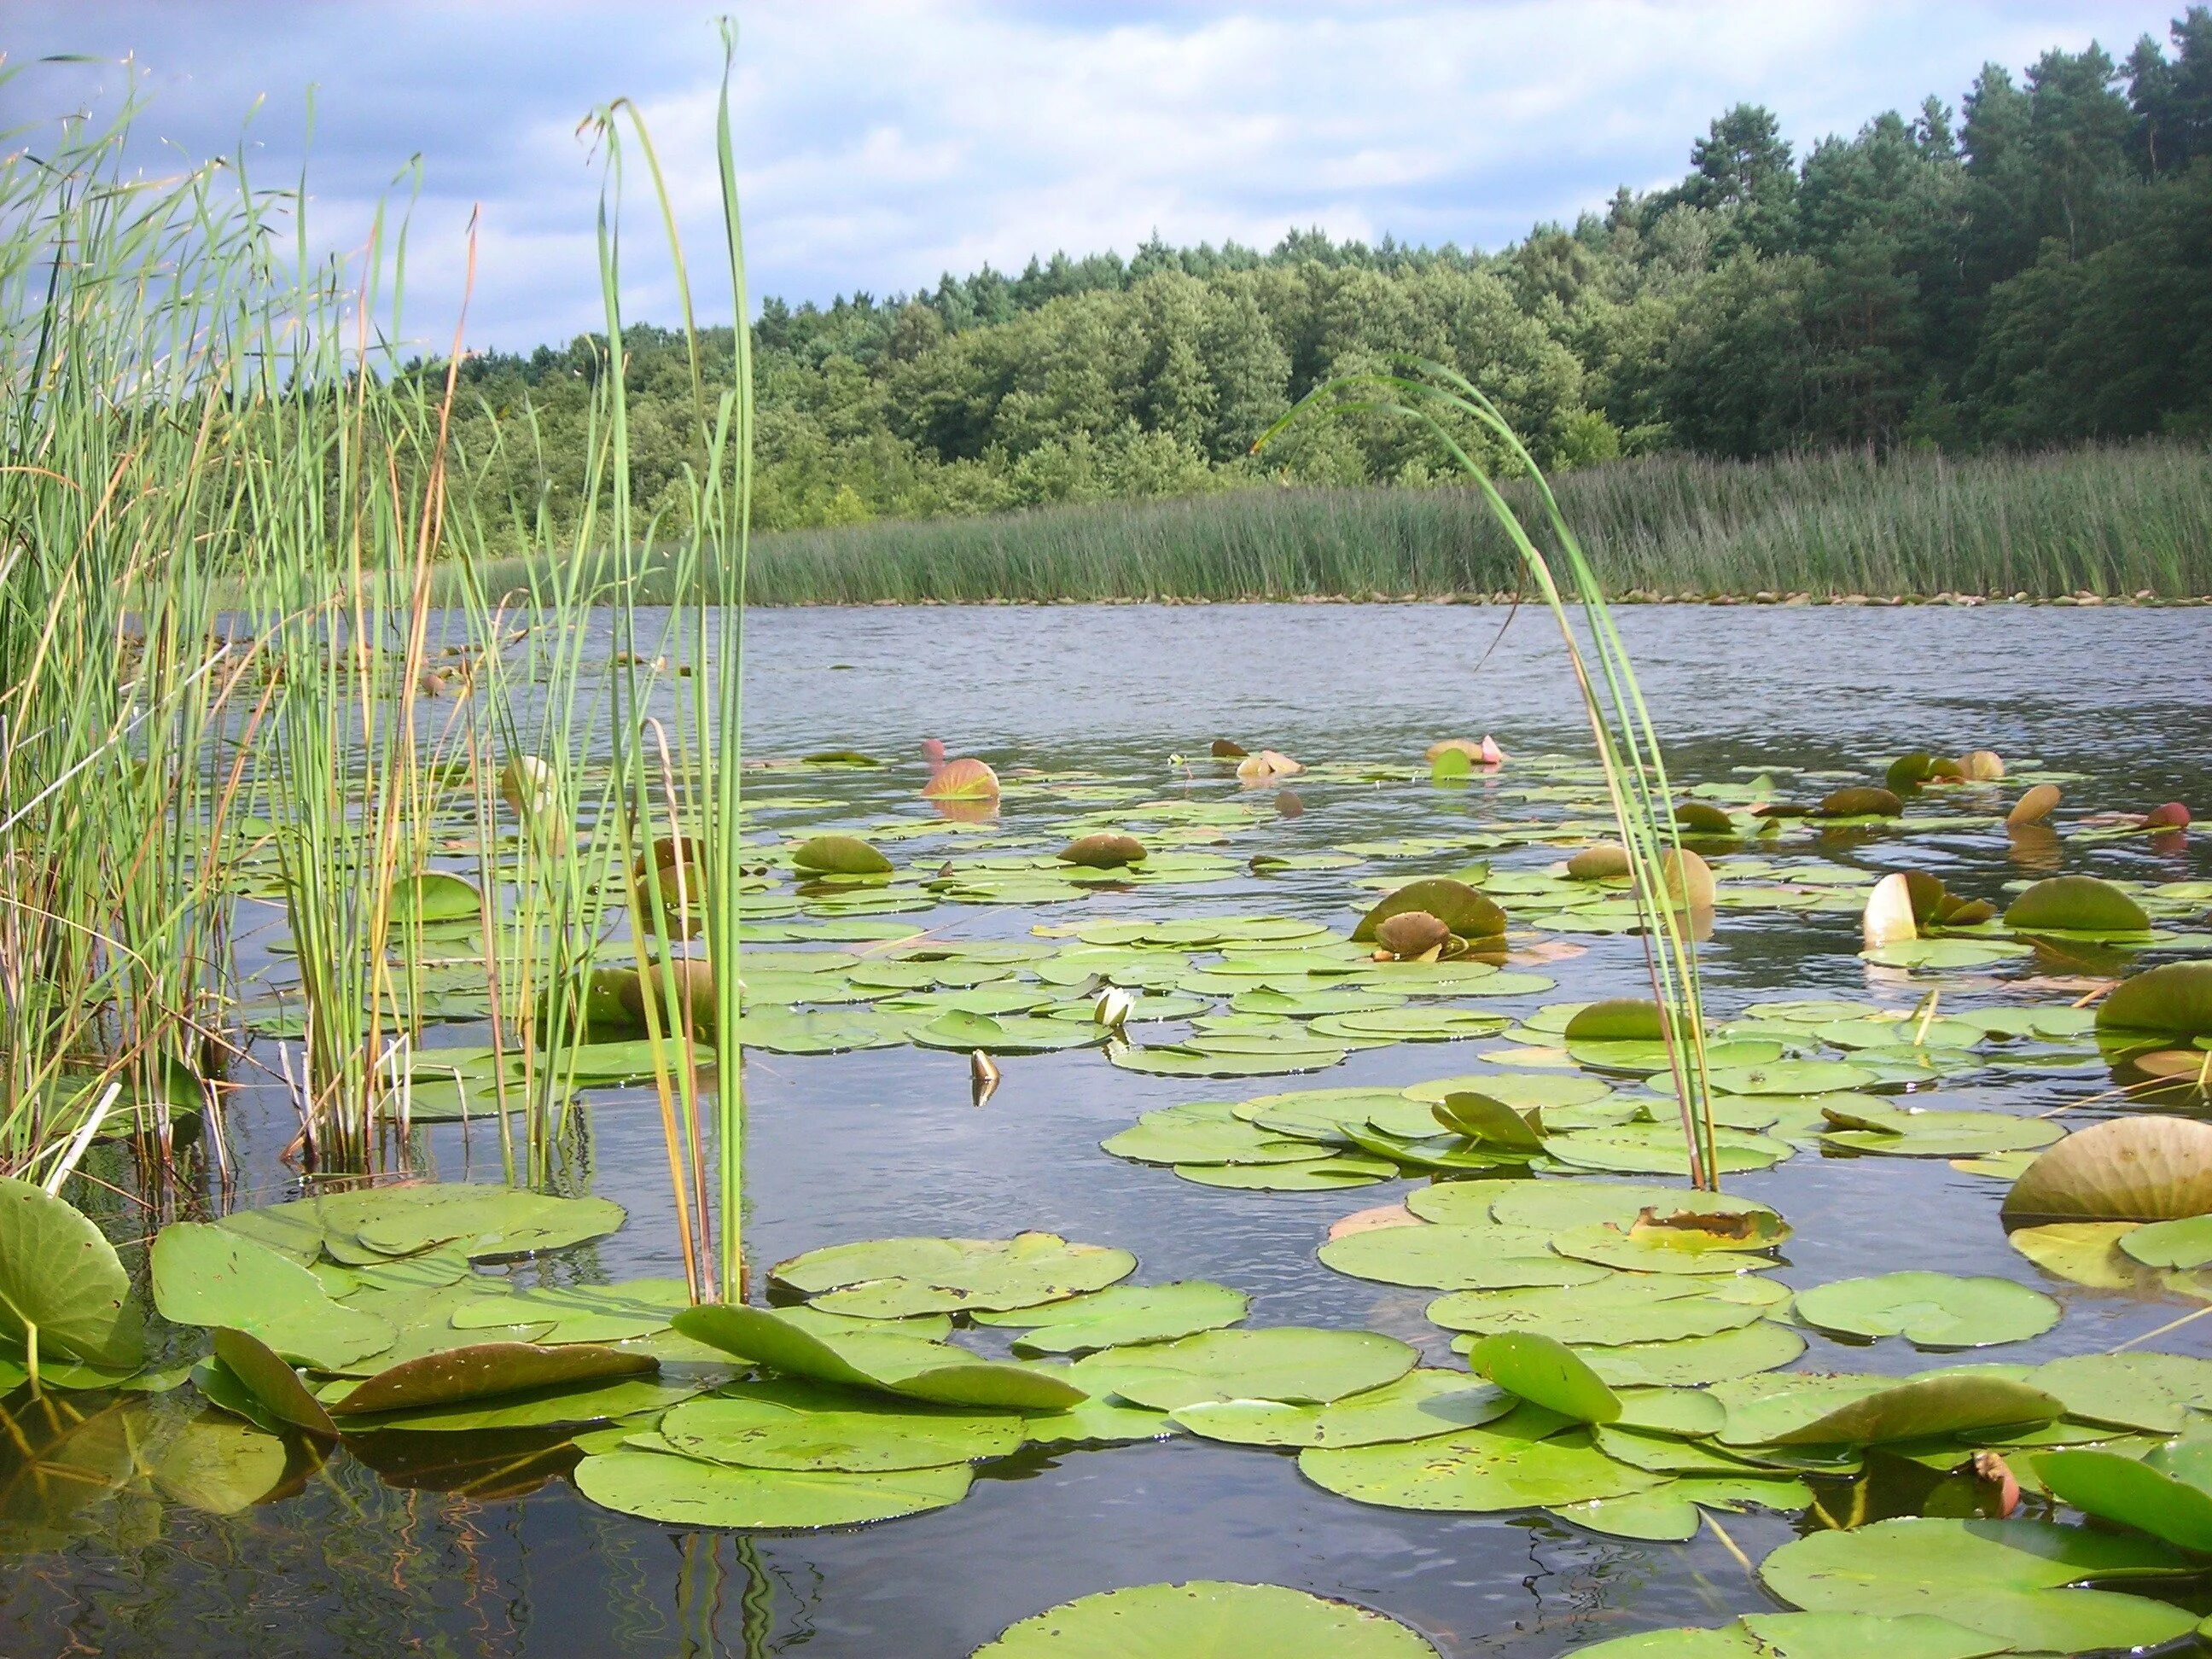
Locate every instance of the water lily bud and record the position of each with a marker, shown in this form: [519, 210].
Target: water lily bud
[1112, 1008]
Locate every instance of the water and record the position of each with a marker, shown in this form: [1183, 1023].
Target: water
[887, 1142]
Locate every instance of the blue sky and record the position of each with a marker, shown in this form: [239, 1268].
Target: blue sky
[883, 141]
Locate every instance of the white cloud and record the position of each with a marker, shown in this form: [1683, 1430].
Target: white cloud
[884, 140]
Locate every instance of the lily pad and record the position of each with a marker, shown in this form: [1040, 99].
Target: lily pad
[1622, 1308]
[1122, 1314]
[1455, 1258]
[485, 1370]
[890, 1278]
[1923, 1408]
[2012, 1580]
[904, 1365]
[1807, 1636]
[2127, 1168]
[1546, 1373]
[1293, 1365]
[2171, 1000]
[1206, 1621]
[2163, 1494]
[1459, 906]
[2131, 1390]
[1760, 1347]
[1421, 1404]
[274, 1386]
[788, 1425]
[1929, 1310]
[61, 1283]
[685, 1492]
[1523, 1461]
[2075, 904]
[1205, 1134]
[839, 855]
[2185, 1244]
[209, 1275]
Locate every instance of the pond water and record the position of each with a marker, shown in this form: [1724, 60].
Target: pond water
[887, 1142]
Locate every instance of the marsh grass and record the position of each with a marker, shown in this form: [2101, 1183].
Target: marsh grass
[2111, 520]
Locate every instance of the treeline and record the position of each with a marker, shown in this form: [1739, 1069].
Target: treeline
[2033, 269]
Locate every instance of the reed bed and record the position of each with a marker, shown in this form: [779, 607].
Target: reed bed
[2113, 521]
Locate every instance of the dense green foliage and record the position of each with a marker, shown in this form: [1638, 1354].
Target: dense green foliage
[2038, 271]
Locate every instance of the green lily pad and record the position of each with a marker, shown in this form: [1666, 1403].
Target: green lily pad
[1622, 1308]
[1929, 1310]
[1672, 1513]
[274, 1386]
[839, 855]
[1895, 1131]
[1790, 1077]
[2127, 1168]
[1553, 1204]
[1293, 1365]
[1523, 1091]
[1205, 1134]
[209, 1275]
[889, 1278]
[1122, 1314]
[1807, 1636]
[2171, 1000]
[2163, 1494]
[2081, 1252]
[2075, 904]
[1317, 1175]
[904, 1365]
[684, 1491]
[1419, 1405]
[1453, 1258]
[581, 1313]
[1923, 1408]
[1206, 1621]
[1522, 1461]
[2011, 1580]
[1459, 906]
[1760, 1347]
[62, 1283]
[2185, 1244]
[1546, 1373]
[482, 1220]
[485, 1370]
[788, 1425]
[2138, 1389]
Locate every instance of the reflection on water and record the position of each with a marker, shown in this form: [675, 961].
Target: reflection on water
[483, 1548]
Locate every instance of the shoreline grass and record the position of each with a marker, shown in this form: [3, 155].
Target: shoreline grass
[2112, 521]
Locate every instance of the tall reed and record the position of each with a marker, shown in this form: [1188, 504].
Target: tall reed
[1458, 415]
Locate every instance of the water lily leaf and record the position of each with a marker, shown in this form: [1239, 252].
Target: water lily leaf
[1612, 1311]
[2075, 904]
[1206, 1621]
[2081, 1252]
[209, 1275]
[1205, 1134]
[272, 1383]
[685, 1492]
[1546, 1373]
[2127, 1168]
[1095, 1422]
[482, 1220]
[2171, 1243]
[1459, 906]
[1656, 1250]
[1483, 1118]
[1809, 1636]
[2132, 1390]
[219, 1465]
[1320, 1175]
[581, 1313]
[624, 1398]
[1450, 1258]
[1760, 1347]
[1929, 1310]
[1670, 1513]
[2135, 1493]
[1790, 1077]
[485, 1370]
[1957, 1403]
[1553, 1204]
[61, 1279]
[2174, 998]
[1123, 1314]
[1527, 1460]
[1278, 1057]
[2007, 1579]
[1868, 1125]
[889, 1278]
[839, 855]
[1660, 1149]
[1419, 1405]
[903, 1365]
[1523, 1092]
[792, 1425]
[1293, 1365]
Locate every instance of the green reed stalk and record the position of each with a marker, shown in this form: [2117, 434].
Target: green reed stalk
[1627, 745]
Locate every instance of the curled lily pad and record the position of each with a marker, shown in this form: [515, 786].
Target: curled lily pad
[2164, 1494]
[685, 1492]
[2075, 904]
[484, 1370]
[1859, 801]
[888, 1278]
[2012, 1580]
[2127, 1168]
[904, 1365]
[839, 855]
[1929, 1310]
[1104, 850]
[1546, 1373]
[1463, 910]
[62, 1286]
[2173, 999]
[1923, 1408]
[1293, 1365]
[1122, 1314]
[1206, 1621]
[274, 1386]
[1481, 1118]
[1421, 1404]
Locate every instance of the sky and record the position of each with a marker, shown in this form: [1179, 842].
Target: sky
[881, 143]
